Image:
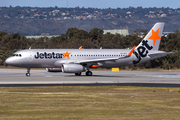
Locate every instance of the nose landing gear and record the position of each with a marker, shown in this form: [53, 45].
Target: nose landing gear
[28, 72]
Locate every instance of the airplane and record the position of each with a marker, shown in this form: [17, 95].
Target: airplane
[80, 60]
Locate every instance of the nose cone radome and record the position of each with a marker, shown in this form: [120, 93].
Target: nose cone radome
[9, 61]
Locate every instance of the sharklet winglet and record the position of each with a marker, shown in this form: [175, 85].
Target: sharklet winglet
[80, 47]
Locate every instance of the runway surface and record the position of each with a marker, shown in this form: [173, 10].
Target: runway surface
[16, 77]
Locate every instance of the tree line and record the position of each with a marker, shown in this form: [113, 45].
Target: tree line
[94, 39]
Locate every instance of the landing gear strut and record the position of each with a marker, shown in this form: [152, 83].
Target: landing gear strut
[88, 73]
[28, 72]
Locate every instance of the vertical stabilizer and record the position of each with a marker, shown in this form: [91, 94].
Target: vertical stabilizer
[153, 38]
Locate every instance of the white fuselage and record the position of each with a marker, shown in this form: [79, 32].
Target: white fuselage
[42, 58]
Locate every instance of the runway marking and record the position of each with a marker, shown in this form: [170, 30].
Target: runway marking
[163, 76]
[47, 76]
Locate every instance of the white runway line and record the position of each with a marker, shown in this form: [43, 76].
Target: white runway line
[162, 76]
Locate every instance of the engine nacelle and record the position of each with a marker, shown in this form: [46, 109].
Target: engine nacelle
[73, 68]
[54, 69]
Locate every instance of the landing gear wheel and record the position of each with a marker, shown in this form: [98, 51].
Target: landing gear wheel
[27, 74]
[88, 73]
[78, 74]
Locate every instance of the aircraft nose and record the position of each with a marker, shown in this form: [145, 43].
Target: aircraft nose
[9, 61]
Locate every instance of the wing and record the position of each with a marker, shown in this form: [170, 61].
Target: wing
[105, 59]
[100, 60]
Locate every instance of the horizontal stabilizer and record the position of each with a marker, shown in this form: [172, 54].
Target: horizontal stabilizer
[157, 55]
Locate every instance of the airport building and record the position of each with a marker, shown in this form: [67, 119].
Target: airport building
[37, 37]
[118, 31]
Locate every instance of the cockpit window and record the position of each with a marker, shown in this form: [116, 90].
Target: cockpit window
[17, 55]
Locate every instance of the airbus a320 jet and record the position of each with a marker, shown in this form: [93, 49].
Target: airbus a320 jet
[80, 60]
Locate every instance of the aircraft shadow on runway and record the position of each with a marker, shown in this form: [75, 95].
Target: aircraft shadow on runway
[84, 76]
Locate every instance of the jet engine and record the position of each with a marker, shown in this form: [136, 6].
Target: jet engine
[73, 68]
[54, 69]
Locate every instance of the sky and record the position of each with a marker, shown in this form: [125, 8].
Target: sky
[92, 3]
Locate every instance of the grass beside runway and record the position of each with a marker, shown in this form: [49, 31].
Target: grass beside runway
[89, 102]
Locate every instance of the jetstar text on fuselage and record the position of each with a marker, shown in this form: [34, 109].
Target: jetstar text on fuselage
[48, 55]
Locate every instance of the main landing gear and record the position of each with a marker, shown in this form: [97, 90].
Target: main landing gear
[88, 73]
[28, 72]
